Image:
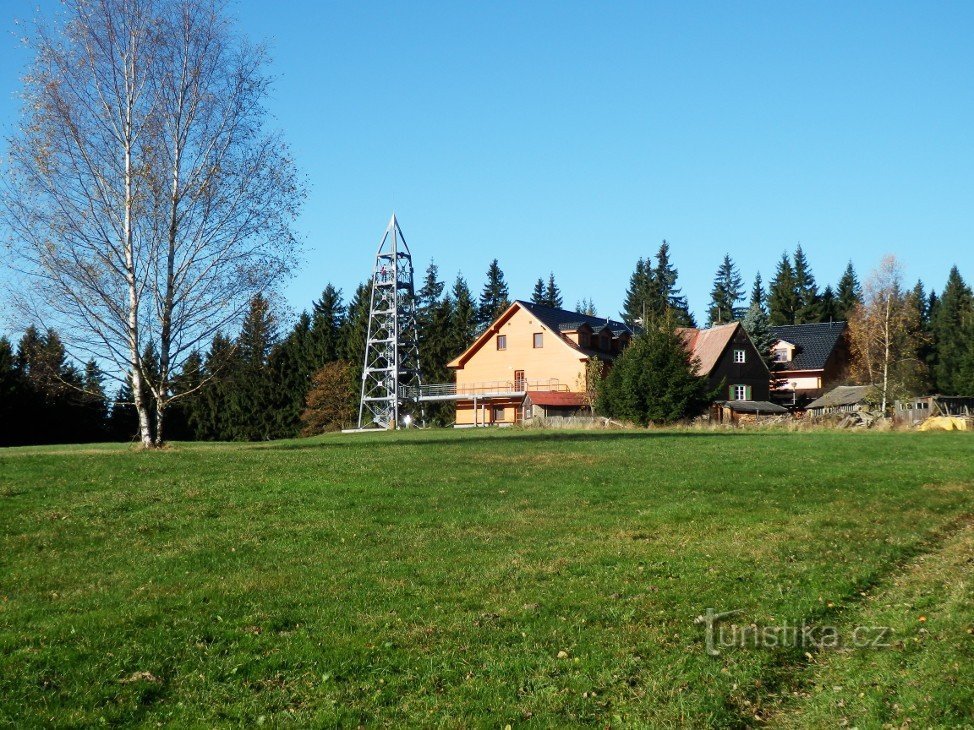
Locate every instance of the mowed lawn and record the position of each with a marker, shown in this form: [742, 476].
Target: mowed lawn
[485, 579]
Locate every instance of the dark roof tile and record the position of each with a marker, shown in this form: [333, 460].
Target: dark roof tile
[814, 343]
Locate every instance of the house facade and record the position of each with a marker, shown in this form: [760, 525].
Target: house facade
[809, 359]
[531, 349]
[534, 361]
[730, 361]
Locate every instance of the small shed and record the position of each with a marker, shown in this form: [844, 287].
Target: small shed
[553, 403]
[916, 410]
[737, 412]
[843, 399]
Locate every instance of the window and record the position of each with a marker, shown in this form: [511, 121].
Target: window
[739, 392]
[501, 342]
[781, 354]
[740, 356]
[538, 340]
[498, 414]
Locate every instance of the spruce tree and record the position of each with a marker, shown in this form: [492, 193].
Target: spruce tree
[494, 298]
[586, 306]
[654, 380]
[463, 318]
[13, 397]
[356, 328]
[828, 308]
[727, 291]
[759, 297]
[848, 295]
[327, 320]
[951, 329]
[634, 305]
[254, 382]
[93, 421]
[758, 327]
[552, 293]
[806, 290]
[538, 293]
[664, 294]
[782, 295]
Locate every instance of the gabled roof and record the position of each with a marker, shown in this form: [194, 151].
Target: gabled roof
[843, 395]
[563, 320]
[549, 398]
[753, 406]
[548, 321]
[709, 344]
[814, 343]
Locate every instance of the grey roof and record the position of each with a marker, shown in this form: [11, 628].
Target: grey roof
[844, 395]
[754, 406]
[562, 320]
[814, 343]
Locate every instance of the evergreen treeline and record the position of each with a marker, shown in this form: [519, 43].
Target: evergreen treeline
[255, 385]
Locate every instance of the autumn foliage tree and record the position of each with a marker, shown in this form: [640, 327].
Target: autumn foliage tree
[330, 405]
[885, 335]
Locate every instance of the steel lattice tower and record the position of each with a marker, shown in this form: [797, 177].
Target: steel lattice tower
[391, 368]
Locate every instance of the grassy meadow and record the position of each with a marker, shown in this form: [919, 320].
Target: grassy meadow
[487, 578]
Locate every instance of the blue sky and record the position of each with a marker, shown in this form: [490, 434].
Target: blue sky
[574, 137]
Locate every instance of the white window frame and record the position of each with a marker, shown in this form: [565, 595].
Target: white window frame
[740, 392]
[740, 356]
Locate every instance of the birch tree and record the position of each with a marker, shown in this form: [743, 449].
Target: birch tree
[885, 336]
[145, 201]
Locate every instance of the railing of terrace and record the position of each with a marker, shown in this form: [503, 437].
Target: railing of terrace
[452, 390]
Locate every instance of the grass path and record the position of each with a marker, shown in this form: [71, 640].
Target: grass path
[471, 579]
[924, 677]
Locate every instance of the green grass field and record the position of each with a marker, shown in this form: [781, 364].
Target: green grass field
[486, 579]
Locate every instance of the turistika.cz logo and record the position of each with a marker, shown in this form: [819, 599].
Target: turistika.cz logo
[721, 634]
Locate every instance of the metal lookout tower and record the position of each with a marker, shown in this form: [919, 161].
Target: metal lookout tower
[391, 367]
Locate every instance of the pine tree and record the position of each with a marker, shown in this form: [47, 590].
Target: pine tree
[828, 306]
[848, 294]
[664, 294]
[494, 298]
[806, 290]
[327, 320]
[463, 318]
[759, 297]
[552, 293]
[758, 326]
[182, 412]
[586, 306]
[654, 380]
[93, 418]
[291, 364]
[727, 291]
[538, 293]
[356, 328]
[634, 306]
[258, 336]
[782, 296]
[14, 397]
[951, 328]
[430, 292]
[123, 423]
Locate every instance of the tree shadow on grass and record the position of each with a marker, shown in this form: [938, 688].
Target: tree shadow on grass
[483, 436]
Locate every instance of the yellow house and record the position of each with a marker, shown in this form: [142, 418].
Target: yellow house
[532, 349]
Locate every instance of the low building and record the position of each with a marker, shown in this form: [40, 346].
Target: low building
[916, 410]
[809, 360]
[556, 404]
[741, 412]
[842, 399]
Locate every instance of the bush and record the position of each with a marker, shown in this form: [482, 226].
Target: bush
[654, 380]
